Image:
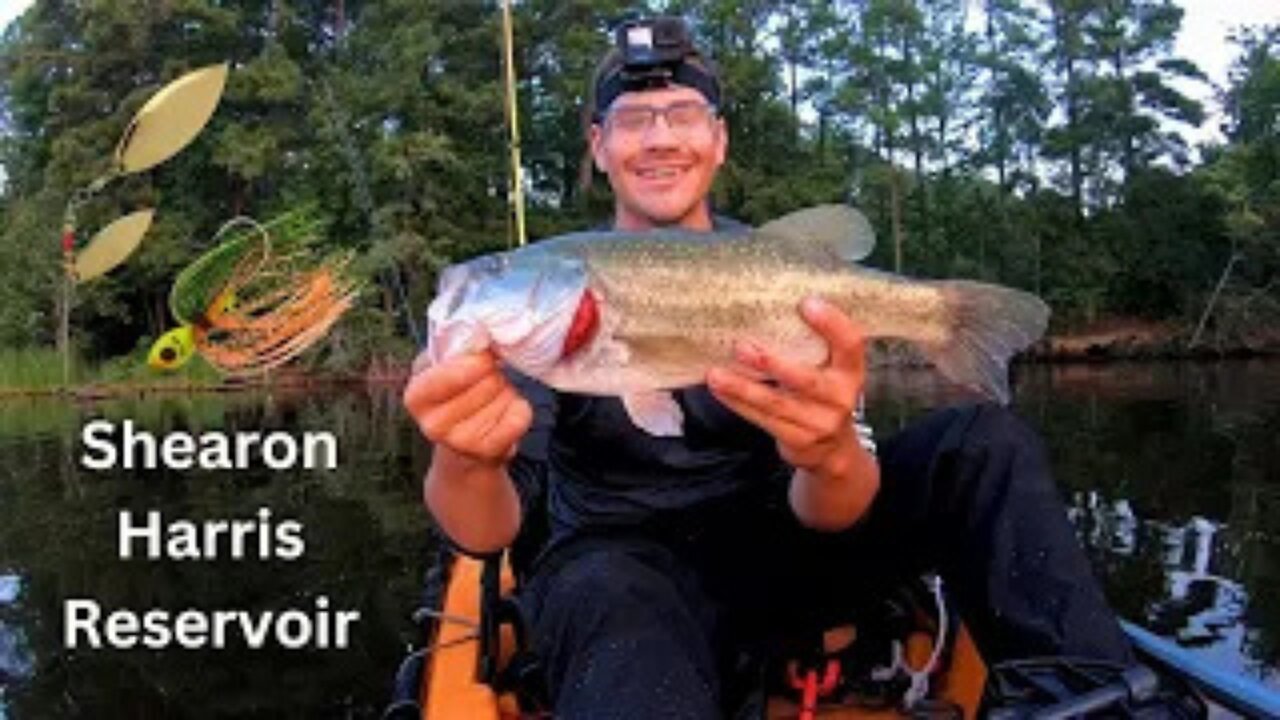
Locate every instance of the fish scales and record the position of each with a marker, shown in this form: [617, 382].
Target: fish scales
[707, 292]
[692, 282]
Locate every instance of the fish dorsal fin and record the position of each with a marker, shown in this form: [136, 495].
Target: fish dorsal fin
[842, 229]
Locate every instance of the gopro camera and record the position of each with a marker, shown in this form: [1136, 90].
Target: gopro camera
[652, 50]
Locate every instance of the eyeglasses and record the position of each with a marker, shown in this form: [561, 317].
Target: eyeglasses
[682, 117]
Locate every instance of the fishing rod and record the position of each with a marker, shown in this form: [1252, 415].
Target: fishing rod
[515, 193]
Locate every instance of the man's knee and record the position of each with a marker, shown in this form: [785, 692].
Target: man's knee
[600, 574]
[611, 587]
[996, 430]
[1005, 463]
[986, 453]
[611, 620]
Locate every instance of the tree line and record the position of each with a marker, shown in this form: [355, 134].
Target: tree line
[1036, 143]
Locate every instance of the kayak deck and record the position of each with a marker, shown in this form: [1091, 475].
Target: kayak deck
[450, 688]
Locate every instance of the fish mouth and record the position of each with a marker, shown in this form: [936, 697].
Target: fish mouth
[523, 310]
[450, 333]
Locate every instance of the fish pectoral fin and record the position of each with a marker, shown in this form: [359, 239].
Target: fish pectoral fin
[656, 412]
[839, 229]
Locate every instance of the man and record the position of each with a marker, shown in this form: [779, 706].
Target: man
[666, 555]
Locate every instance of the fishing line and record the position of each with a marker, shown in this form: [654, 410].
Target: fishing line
[446, 617]
[253, 225]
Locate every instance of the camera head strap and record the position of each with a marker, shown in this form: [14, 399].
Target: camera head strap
[654, 53]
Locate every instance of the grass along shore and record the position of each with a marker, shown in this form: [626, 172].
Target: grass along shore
[38, 371]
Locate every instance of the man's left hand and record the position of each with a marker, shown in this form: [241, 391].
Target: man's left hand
[809, 411]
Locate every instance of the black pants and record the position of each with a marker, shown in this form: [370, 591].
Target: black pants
[639, 625]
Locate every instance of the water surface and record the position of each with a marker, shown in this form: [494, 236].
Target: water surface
[1171, 471]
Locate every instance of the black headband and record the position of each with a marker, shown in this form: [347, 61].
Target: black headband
[623, 80]
[654, 53]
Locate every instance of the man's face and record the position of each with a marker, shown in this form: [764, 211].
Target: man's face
[661, 171]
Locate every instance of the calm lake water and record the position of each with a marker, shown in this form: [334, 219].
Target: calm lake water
[1172, 472]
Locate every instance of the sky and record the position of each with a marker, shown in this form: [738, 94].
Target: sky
[1203, 41]
[10, 9]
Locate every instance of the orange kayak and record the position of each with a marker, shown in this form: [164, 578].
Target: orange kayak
[451, 690]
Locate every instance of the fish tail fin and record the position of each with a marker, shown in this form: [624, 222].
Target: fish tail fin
[986, 326]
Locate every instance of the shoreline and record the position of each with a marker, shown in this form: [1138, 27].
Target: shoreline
[104, 391]
[1112, 342]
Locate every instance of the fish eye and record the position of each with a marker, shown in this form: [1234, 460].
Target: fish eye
[168, 355]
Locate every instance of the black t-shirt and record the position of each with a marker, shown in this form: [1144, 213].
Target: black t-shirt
[601, 473]
[598, 472]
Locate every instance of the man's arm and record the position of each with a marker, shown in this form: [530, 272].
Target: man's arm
[475, 504]
[835, 495]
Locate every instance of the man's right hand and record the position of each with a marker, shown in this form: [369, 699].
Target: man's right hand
[468, 406]
[476, 418]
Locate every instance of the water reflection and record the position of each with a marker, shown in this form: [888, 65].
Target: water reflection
[1170, 472]
[1195, 602]
[1172, 476]
[365, 535]
[16, 663]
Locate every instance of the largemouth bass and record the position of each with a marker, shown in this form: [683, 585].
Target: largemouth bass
[637, 314]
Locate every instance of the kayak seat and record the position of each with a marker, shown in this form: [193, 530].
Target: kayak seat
[872, 669]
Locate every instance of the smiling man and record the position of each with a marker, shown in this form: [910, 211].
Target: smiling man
[658, 560]
[660, 148]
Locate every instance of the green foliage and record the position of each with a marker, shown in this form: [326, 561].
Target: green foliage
[29, 272]
[1024, 148]
[1168, 235]
[1245, 179]
[1253, 99]
[29, 369]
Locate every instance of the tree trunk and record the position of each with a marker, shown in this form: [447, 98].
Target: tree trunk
[822, 137]
[795, 96]
[895, 208]
[277, 18]
[238, 194]
[1001, 142]
[1069, 31]
[1130, 159]
[65, 298]
[917, 140]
